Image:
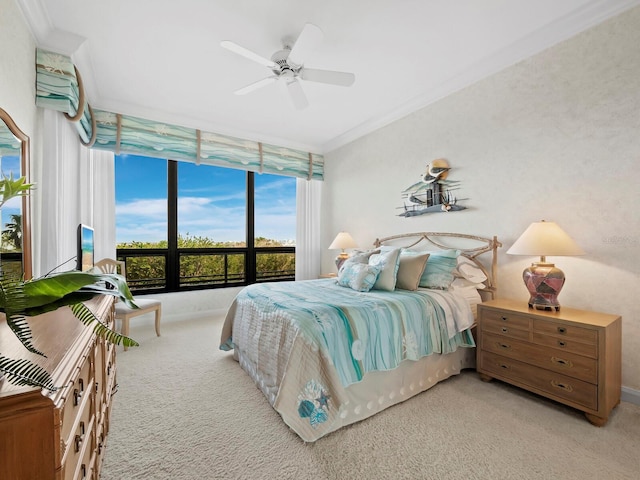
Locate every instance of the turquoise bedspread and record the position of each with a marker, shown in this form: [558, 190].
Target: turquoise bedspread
[362, 332]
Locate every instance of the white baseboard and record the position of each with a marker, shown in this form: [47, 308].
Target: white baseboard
[630, 395]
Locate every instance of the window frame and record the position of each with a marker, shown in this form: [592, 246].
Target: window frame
[173, 253]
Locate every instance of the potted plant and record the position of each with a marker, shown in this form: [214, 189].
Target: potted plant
[20, 299]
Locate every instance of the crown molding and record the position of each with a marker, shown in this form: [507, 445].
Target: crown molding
[581, 19]
[45, 34]
[551, 34]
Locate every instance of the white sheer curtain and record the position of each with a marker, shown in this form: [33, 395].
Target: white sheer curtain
[73, 185]
[102, 198]
[308, 247]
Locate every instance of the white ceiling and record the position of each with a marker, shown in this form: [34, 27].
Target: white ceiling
[162, 60]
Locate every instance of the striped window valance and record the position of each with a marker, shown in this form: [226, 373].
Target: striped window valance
[59, 87]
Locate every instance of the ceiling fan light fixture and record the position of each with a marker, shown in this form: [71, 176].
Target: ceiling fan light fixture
[288, 64]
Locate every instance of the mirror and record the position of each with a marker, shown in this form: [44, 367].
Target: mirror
[15, 236]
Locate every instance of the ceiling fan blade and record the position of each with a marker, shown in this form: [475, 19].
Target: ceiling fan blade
[343, 79]
[235, 48]
[297, 94]
[256, 85]
[309, 38]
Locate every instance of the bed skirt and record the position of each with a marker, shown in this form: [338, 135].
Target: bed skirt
[378, 390]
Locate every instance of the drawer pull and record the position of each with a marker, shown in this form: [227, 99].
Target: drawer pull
[506, 367]
[562, 386]
[79, 438]
[562, 362]
[83, 470]
[77, 396]
[504, 319]
[504, 346]
[562, 330]
[77, 393]
[561, 343]
[504, 329]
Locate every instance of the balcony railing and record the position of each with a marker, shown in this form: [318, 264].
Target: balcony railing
[150, 270]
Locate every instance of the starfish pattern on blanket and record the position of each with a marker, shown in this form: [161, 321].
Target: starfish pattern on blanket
[313, 403]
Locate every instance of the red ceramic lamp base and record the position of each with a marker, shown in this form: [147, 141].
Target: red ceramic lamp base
[544, 282]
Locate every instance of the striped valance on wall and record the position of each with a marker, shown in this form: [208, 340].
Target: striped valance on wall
[59, 87]
[126, 134]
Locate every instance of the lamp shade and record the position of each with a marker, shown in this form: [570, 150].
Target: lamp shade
[544, 280]
[343, 240]
[545, 239]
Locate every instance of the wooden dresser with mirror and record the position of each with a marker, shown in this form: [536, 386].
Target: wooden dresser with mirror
[45, 434]
[59, 435]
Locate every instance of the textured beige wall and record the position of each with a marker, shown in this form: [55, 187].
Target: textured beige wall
[555, 137]
[17, 67]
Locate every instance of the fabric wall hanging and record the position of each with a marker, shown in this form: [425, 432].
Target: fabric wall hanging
[433, 193]
[59, 87]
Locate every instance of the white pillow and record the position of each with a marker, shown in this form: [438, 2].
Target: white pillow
[469, 270]
[469, 291]
[388, 262]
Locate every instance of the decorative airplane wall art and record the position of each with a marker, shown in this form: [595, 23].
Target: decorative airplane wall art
[433, 193]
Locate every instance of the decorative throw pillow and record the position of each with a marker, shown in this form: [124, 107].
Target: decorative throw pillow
[358, 256]
[362, 256]
[438, 272]
[387, 261]
[410, 269]
[358, 276]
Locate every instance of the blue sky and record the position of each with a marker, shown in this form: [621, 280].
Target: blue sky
[211, 202]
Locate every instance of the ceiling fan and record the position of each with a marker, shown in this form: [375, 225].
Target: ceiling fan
[287, 65]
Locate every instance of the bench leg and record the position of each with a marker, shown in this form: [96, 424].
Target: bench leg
[158, 314]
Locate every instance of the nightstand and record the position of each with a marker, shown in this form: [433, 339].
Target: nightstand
[570, 356]
[328, 275]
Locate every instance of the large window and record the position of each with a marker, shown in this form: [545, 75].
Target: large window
[183, 226]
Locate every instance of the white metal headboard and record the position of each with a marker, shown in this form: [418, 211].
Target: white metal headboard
[470, 246]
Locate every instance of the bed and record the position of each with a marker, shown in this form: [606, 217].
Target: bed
[326, 354]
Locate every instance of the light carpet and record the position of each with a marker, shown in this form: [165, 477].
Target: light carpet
[186, 410]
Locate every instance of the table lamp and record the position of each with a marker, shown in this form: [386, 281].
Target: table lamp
[544, 280]
[342, 241]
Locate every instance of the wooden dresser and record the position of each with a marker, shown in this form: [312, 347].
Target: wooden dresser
[571, 356]
[59, 435]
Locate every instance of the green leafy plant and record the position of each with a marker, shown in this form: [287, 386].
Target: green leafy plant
[21, 299]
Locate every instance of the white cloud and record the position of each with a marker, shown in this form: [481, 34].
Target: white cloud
[145, 208]
[221, 218]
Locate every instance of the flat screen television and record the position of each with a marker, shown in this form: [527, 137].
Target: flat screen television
[85, 248]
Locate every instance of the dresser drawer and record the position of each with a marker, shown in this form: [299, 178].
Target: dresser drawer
[74, 398]
[110, 379]
[500, 327]
[571, 332]
[566, 344]
[507, 319]
[84, 468]
[566, 363]
[551, 383]
[101, 376]
[80, 442]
